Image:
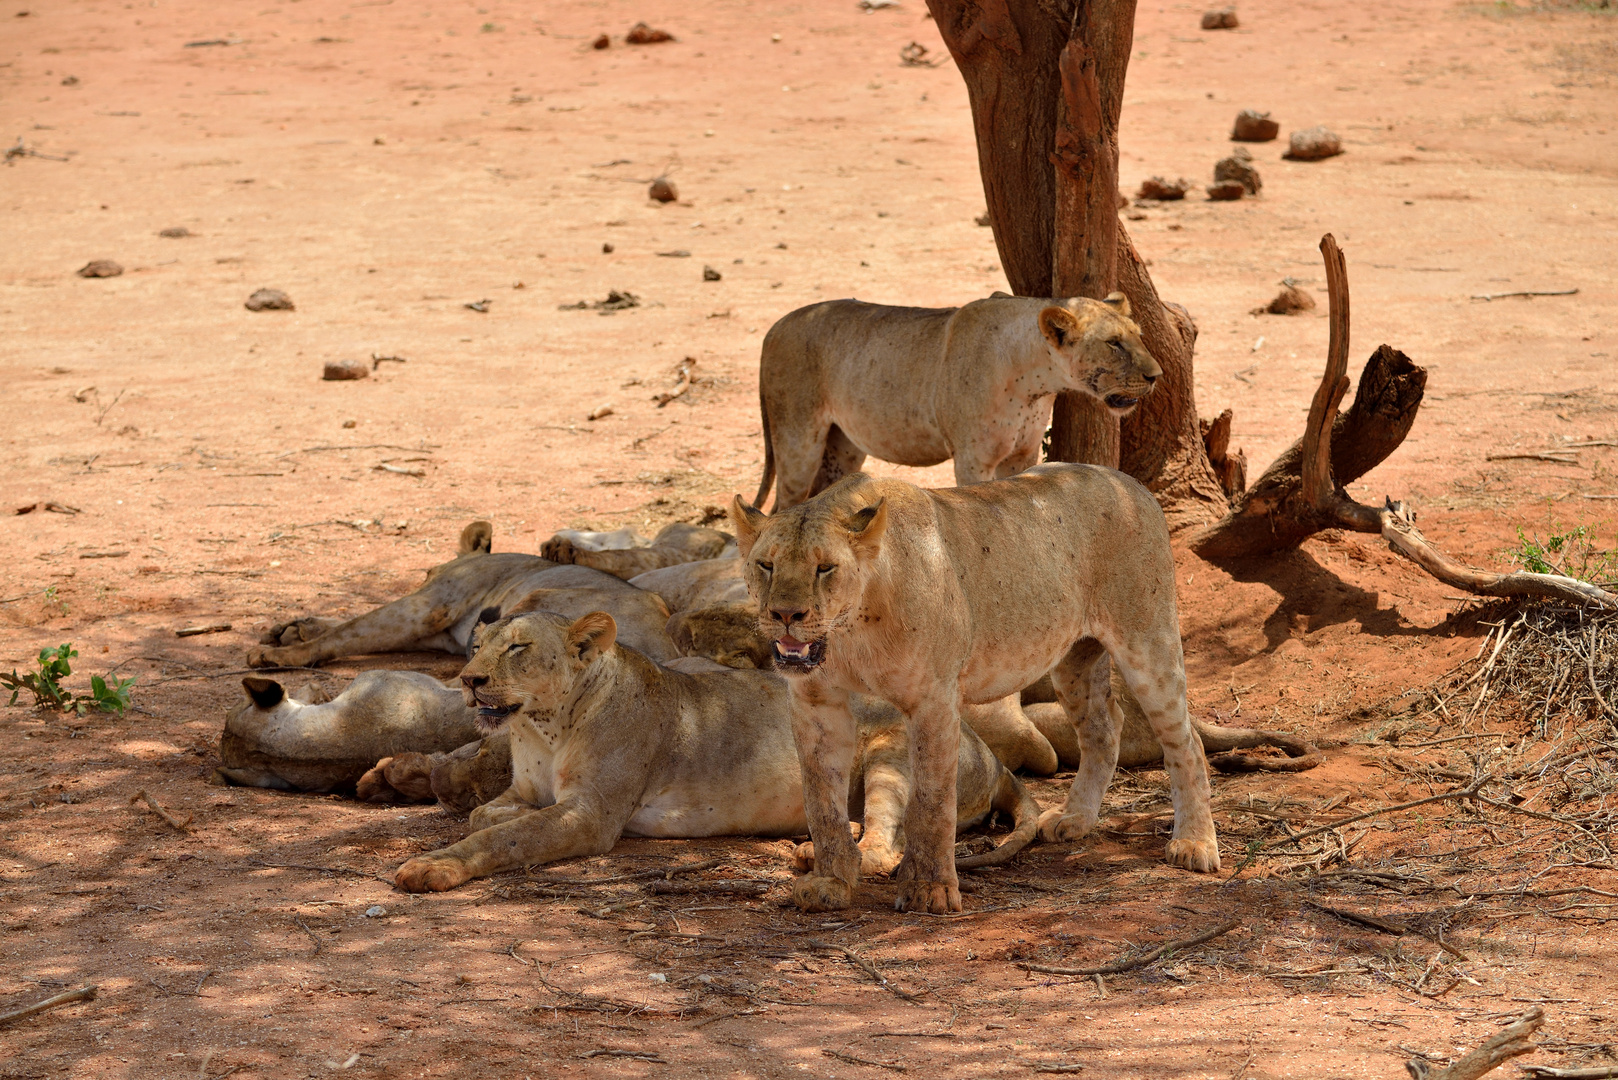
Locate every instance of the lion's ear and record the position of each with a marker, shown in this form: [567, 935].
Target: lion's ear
[478, 538]
[866, 527]
[266, 693]
[1119, 303]
[1059, 326]
[747, 521]
[591, 636]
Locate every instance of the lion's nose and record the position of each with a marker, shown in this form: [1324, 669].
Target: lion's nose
[787, 616]
[1151, 374]
[472, 682]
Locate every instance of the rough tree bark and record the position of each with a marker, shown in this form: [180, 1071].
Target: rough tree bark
[1046, 79]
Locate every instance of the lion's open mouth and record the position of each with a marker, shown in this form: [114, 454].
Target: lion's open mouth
[790, 654]
[490, 716]
[1121, 403]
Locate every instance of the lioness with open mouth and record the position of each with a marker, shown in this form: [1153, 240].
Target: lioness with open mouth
[934, 599]
[605, 743]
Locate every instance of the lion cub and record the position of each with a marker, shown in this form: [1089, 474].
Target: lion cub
[603, 743]
[916, 386]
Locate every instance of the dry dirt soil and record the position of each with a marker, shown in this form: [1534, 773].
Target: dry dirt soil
[389, 163]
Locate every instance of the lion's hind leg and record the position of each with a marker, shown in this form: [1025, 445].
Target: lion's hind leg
[840, 458]
[1083, 686]
[1155, 673]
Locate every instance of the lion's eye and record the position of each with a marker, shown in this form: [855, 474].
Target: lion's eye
[768, 568]
[514, 649]
[825, 568]
[1119, 346]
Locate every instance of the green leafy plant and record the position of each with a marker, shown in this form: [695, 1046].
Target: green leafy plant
[110, 694]
[1571, 554]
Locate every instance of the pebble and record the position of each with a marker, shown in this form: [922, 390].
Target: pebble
[1289, 301]
[175, 232]
[375, 911]
[1254, 126]
[663, 190]
[344, 370]
[1220, 19]
[1314, 144]
[601, 42]
[1226, 191]
[710, 274]
[269, 300]
[1164, 190]
[100, 268]
[1239, 167]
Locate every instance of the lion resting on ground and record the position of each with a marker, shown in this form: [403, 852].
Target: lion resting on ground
[475, 585]
[603, 742]
[916, 386]
[674, 544]
[937, 599]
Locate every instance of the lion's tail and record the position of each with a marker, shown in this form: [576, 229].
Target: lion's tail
[1010, 797]
[769, 452]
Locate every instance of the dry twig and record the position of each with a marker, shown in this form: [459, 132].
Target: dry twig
[83, 993]
[1119, 966]
[1497, 1049]
[168, 818]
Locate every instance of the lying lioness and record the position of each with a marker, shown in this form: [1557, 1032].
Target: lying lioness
[936, 599]
[604, 743]
[842, 379]
[675, 543]
[439, 616]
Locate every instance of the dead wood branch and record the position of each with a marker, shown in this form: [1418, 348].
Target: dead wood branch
[840, 1056]
[1497, 1049]
[319, 946]
[1303, 492]
[67, 997]
[687, 888]
[864, 965]
[1119, 966]
[639, 875]
[1597, 1072]
[170, 819]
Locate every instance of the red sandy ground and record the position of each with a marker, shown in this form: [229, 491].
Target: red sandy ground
[387, 163]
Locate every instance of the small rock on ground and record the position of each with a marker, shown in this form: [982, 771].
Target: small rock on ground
[1220, 19]
[175, 232]
[641, 34]
[343, 370]
[1254, 126]
[1226, 191]
[663, 190]
[710, 274]
[1289, 301]
[602, 42]
[100, 268]
[269, 300]
[1164, 190]
[1238, 167]
[1313, 144]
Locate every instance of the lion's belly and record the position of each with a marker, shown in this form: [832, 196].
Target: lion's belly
[756, 810]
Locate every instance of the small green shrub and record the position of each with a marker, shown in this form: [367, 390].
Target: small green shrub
[110, 694]
[1571, 554]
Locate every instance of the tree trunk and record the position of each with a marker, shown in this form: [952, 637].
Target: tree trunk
[1046, 81]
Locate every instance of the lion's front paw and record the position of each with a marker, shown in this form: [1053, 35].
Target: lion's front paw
[374, 786]
[803, 857]
[257, 657]
[1056, 826]
[491, 814]
[431, 873]
[814, 893]
[935, 897]
[1199, 855]
[878, 860]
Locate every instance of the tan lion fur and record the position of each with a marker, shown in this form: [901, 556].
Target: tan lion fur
[729, 633]
[933, 600]
[676, 543]
[844, 379]
[603, 743]
[475, 585]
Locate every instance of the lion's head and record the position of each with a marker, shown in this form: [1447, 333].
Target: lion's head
[530, 664]
[724, 633]
[1099, 345]
[806, 567]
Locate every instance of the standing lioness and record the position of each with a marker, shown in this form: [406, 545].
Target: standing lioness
[932, 599]
[916, 386]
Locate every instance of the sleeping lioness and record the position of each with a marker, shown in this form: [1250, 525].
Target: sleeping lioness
[916, 386]
[936, 599]
[605, 743]
[475, 585]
